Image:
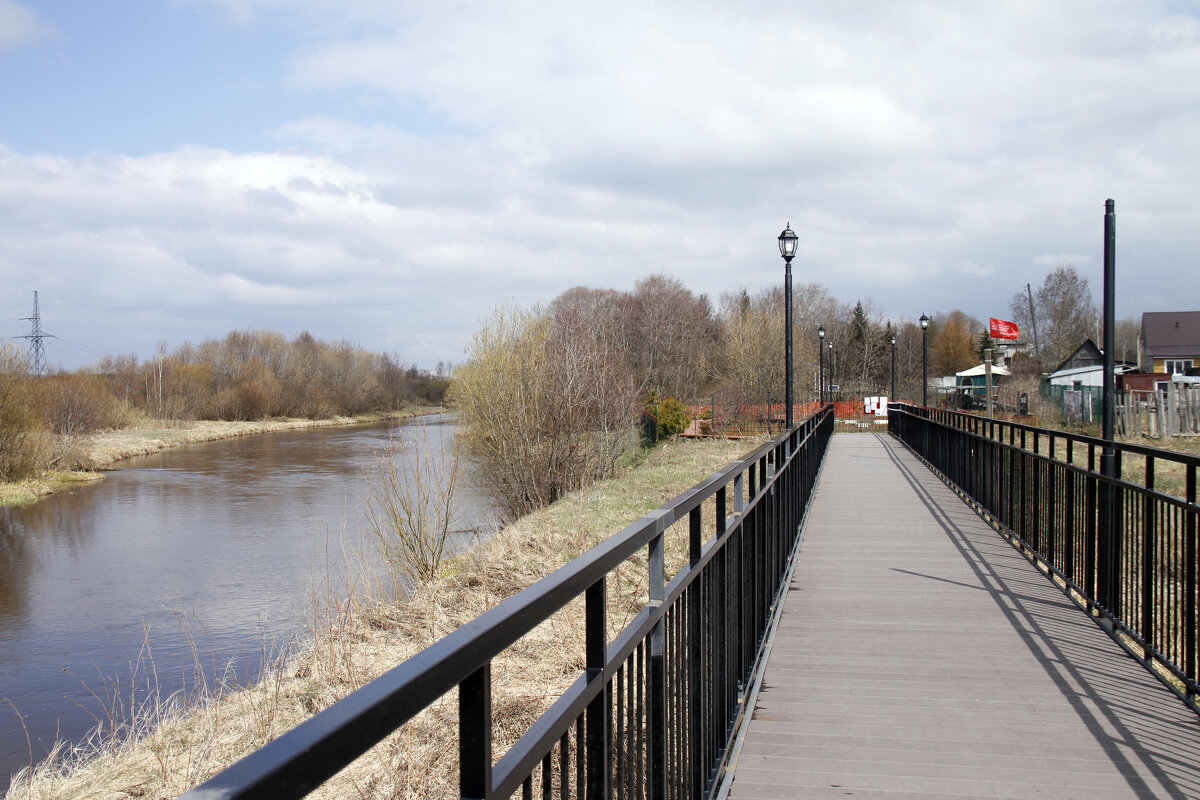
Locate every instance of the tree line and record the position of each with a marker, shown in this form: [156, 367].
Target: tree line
[247, 375]
[549, 395]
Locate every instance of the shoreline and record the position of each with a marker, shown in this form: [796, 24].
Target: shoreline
[103, 450]
[172, 747]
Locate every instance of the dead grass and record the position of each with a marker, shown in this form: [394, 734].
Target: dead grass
[33, 489]
[101, 451]
[184, 741]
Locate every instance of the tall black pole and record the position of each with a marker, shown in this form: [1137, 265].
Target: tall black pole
[821, 372]
[893, 369]
[787, 248]
[821, 377]
[924, 367]
[787, 324]
[1110, 281]
[1110, 546]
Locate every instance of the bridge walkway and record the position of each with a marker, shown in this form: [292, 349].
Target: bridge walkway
[920, 655]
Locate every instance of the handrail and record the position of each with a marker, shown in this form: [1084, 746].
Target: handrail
[1130, 551]
[716, 608]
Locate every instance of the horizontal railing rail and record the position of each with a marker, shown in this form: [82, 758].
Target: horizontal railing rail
[652, 712]
[1124, 540]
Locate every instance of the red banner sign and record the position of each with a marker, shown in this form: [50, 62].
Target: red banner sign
[1002, 329]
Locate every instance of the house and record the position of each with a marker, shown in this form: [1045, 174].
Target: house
[1084, 368]
[1171, 341]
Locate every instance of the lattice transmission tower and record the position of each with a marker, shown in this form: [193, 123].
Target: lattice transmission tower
[37, 350]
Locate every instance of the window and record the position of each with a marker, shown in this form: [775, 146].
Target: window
[1178, 366]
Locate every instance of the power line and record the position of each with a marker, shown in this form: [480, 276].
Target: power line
[37, 351]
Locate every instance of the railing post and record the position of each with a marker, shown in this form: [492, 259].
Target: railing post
[1189, 629]
[475, 734]
[1070, 516]
[695, 650]
[597, 745]
[657, 679]
[1148, 558]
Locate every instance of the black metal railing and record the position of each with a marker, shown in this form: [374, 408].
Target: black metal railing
[654, 710]
[1119, 539]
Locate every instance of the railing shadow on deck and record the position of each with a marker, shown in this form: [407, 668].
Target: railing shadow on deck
[1127, 552]
[653, 711]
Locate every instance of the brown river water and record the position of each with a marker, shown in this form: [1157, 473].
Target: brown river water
[204, 554]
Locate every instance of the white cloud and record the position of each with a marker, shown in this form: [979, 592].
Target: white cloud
[20, 25]
[930, 155]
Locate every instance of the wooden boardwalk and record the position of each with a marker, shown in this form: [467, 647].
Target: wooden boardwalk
[920, 655]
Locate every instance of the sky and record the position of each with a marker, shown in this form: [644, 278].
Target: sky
[388, 172]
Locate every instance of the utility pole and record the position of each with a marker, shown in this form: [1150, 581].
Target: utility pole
[1037, 352]
[37, 351]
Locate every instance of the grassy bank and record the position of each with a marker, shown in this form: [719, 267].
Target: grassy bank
[100, 451]
[181, 741]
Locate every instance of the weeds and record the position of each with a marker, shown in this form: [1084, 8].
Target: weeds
[411, 505]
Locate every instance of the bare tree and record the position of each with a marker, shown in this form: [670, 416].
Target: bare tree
[1065, 313]
[675, 337]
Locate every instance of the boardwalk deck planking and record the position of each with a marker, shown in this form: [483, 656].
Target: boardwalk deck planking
[920, 655]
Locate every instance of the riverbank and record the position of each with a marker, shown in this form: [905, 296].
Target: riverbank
[101, 451]
[179, 742]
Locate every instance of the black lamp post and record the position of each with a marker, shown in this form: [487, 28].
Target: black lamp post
[821, 373]
[787, 249]
[829, 383]
[924, 360]
[893, 367]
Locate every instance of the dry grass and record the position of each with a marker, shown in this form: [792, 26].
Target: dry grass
[182, 742]
[151, 436]
[100, 451]
[33, 489]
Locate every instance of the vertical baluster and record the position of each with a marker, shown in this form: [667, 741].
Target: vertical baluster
[475, 734]
[1148, 571]
[695, 657]
[656, 771]
[1189, 605]
[599, 741]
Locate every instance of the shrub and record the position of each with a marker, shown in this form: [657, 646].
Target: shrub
[673, 418]
[78, 404]
[24, 446]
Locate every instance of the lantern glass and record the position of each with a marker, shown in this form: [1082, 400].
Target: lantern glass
[787, 243]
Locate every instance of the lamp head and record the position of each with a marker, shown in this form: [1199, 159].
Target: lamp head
[924, 322]
[821, 332]
[787, 243]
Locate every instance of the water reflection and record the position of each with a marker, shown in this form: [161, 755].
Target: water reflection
[210, 546]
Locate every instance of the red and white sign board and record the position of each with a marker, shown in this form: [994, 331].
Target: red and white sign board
[875, 405]
[1002, 329]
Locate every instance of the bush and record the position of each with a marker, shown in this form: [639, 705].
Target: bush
[75, 404]
[543, 409]
[673, 418]
[24, 446]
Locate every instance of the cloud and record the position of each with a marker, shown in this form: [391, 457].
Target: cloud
[449, 156]
[20, 25]
[1052, 260]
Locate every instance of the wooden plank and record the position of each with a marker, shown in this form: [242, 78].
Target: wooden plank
[919, 655]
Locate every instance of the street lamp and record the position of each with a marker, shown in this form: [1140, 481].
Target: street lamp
[924, 360]
[893, 368]
[821, 372]
[787, 249]
[829, 383]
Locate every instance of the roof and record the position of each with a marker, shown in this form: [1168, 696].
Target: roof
[1086, 355]
[1171, 333]
[1118, 369]
[979, 370]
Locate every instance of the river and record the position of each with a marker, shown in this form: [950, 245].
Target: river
[204, 555]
